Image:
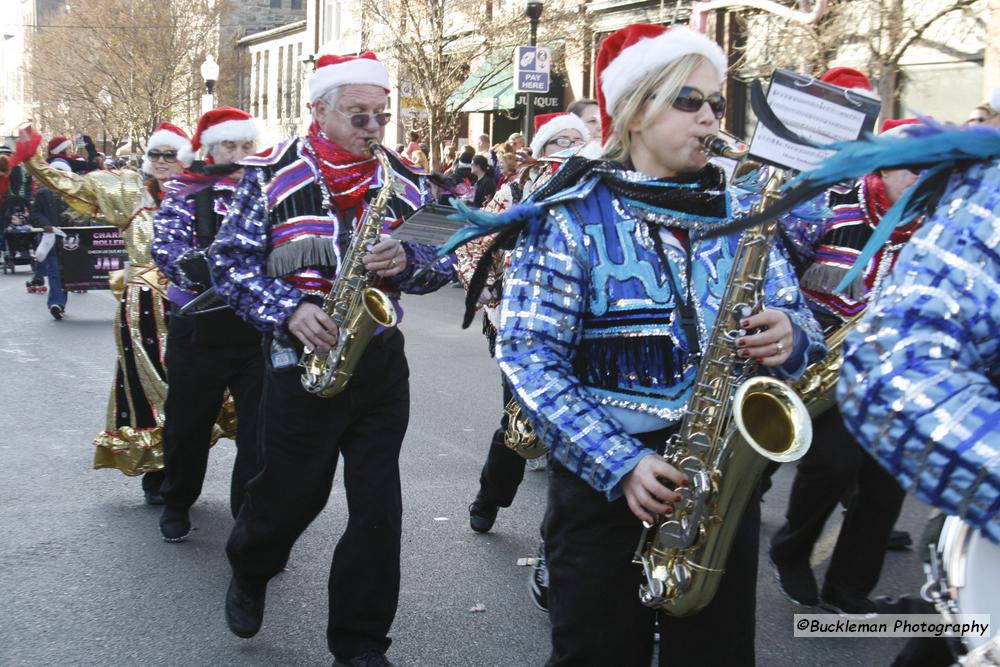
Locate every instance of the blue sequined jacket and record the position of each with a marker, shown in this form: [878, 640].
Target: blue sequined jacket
[589, 324]
[919, 382]
[279, 244]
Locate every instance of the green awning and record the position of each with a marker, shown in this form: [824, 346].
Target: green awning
[489, 88]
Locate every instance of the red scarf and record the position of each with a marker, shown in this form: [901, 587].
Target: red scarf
[348, 176]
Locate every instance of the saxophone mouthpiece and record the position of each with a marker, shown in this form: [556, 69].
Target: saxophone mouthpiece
[725, 145]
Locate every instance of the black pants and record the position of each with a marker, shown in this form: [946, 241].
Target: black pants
[197, 379]
[504, 468]
[597, 618]
[833, 463]
[303, 437]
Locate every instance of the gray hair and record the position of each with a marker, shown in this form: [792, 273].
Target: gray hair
[329, 98]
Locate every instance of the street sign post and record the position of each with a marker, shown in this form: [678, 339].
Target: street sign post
[531, 69]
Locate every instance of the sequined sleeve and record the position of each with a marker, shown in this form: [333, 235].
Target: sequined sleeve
[238, 260]
[919, 382]
[173, 237]
[540, 328]
[414, 280]
[116, 195]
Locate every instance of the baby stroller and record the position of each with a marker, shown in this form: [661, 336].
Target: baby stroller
[18, 239]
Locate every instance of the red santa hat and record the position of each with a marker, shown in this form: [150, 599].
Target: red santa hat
[896, 127]
[846, 77]
[223, 124]
[168, 134]
[548, 125]
[59, 146]
[637, 51]
[332, 71]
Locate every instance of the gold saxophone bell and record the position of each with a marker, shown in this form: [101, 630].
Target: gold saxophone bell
[519, 436]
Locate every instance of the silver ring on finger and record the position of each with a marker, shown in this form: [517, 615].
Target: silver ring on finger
[392, 262]
[779, 346]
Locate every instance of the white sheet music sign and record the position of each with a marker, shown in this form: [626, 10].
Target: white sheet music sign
[815, 110]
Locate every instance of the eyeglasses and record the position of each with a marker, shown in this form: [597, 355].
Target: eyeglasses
[360, 120]
[564, 142]
[167, 156]
[691, 99]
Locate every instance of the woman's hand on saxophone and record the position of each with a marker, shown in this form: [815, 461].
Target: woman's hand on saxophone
[311, 325]
[386, 258]
[646, 494]
[773, 344]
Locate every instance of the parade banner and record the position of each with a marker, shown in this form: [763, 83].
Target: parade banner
[813, 109]
[89, 254]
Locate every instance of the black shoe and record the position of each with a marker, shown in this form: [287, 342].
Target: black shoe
[899, 540]
[175, 526]
[56, 311]
[154, 497]
[482, 515]
[370, 659]
[244, 607]
[848, 605]
[797, 582]
[539, 581]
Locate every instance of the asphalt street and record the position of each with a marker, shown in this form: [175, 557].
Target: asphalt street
[86, 580]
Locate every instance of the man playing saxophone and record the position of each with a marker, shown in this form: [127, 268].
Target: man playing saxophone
[284, 244]
[611, 296]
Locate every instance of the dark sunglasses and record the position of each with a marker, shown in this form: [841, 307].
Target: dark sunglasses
[360, 120]
[169, 156]
[691, 99]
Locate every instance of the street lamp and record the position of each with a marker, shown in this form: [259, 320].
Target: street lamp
[210, 73]
[533, 11]
[105, 97]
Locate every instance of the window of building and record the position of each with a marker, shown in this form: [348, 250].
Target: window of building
[298, 82]
[279, 98]
[275, 4]
[296, 4]
[289, 88]
[331, 21]
[255, 92]
[264, 86]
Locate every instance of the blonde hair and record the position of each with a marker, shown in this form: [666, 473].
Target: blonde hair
[420, 158]
[659, 91]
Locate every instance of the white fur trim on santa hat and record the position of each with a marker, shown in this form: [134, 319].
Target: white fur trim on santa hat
[648, 55]
[61, 148]
[567, 121]
[173, 140]
[230, 130]
[357, 71]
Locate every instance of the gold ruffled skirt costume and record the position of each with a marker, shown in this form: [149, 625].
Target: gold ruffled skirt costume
[132, 436]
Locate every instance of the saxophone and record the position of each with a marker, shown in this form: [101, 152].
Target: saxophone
[818, 385]
[727, 436]
[356, 307]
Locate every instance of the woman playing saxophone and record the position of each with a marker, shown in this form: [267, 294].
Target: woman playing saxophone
[611, 296]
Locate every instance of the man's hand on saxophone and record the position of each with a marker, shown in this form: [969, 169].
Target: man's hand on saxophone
[773, 344]
[386, 258]
[313, 327]
[645, 488]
